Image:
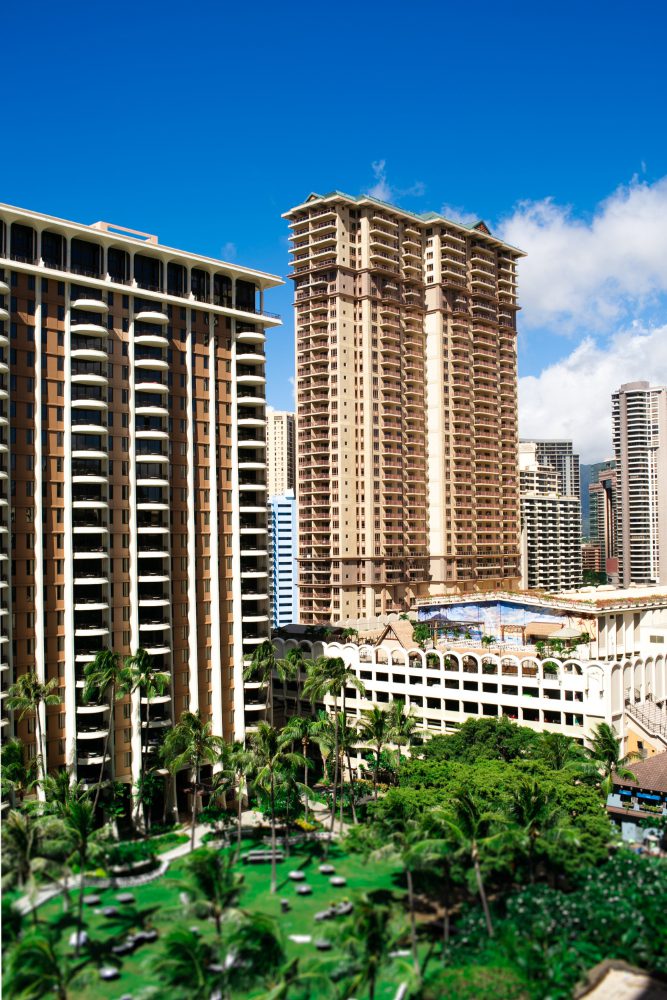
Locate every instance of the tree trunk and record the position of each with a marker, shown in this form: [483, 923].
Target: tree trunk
[376, 773]
[107, 738]
[79, 916]
[239, 821]
[482, 894]
[352, 793]
[194, 808]
[40, 763]
[274, 880]
[335, 784]
[304, 744]
[144, 754]
[413, 925]
[342, 772]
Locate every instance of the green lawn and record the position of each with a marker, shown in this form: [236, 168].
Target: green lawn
[362, 876]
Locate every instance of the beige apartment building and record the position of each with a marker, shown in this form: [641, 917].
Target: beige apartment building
[280, 452]
[407, 469]
[132, 479]
[550, 522]
[639, 413]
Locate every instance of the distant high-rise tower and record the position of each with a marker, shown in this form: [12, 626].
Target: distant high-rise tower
[280, 452]
[282, 548]
[559, 455]
[639, 413]
[602, 517]
[551, 524]
[406, 407]
[132, 457]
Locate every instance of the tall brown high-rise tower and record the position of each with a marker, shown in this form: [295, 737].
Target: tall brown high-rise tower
[407, 468]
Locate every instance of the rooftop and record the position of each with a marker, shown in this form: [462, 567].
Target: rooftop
[650, 773]
[478, 228]
[111, 234]
[590, 599]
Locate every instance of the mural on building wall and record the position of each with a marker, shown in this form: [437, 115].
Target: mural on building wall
[511, 623]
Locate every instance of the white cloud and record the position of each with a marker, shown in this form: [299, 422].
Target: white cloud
[458, 214]
[572, 398]
[590, 274]
[228, 251]
[383, 190]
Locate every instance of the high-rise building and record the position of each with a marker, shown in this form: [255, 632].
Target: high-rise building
[602, 517]
[133, 464]
[591, 558]
[406, 407]
[282, 549]
[639, 413]
[559, 455]
[551, 525]
[280, 452]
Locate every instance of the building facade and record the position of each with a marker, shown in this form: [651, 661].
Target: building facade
[640, 442]
[282, 549]
[406, 407]
[550, 524]
[562, 663]
[132, 412]
[280, 452]
[602, 518]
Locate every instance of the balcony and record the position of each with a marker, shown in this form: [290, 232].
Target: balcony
[152, 316]
[88, 329]
[86, 303]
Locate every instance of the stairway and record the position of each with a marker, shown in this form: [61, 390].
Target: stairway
[653, 720]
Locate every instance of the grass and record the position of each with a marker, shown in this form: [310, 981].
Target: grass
[164, 893]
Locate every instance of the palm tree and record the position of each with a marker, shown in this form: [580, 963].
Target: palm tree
[185, 966]
[605, 752]
[414, 851]
[21, 843]
[368, 938]
[469, 826]
[375, 729]
[26, 697]
[35, 968]
[18, 774]
[191, 743]
[105, 677]
[536, 821]
[488, 640]
[330, 675]
[79, 823]
[151, 683]
[421, 633]
[563, 753]
[213, 884]
[260, 668]
[402, 727]
[254, 941]
[272, 755]
[301, 729]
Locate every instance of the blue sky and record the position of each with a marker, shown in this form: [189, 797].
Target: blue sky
[203, 123]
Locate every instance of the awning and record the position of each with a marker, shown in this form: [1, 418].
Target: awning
[542, 628]
[645, 795]
[568, 633]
